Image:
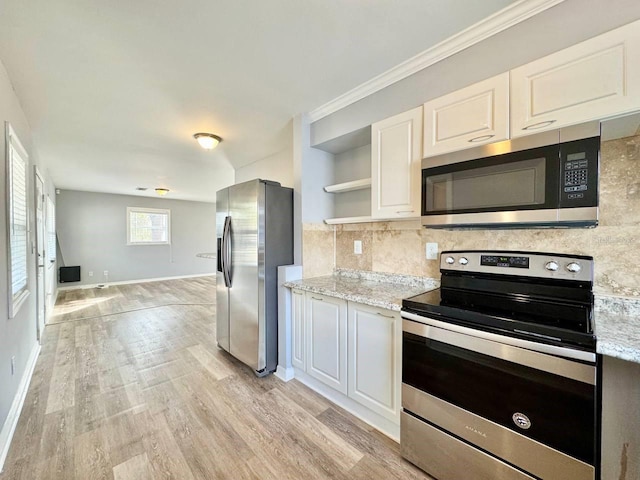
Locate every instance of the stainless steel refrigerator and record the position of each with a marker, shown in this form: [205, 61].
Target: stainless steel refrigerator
[254, 230]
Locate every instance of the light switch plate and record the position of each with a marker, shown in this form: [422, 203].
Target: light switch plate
[432, 251]
[357, 247]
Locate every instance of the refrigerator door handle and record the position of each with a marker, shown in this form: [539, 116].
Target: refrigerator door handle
[226, 251]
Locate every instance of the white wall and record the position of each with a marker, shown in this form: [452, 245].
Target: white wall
[18, 334]
[277, 167]
[92, 233]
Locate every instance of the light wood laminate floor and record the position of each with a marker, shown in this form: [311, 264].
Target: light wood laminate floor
[131, 385]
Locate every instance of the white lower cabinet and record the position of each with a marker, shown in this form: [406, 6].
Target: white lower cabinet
[355, 350]
[374, 358]
[326, 340]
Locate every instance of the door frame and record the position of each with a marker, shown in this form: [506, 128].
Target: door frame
[40, 256]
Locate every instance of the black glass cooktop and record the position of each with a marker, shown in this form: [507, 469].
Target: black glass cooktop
[548, 315]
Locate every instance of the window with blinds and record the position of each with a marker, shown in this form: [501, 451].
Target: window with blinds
[148, 226]
[17, 219]
[51, 231]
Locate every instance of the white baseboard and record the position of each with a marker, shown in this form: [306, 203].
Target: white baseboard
[141, 280]
[284, 374]
[10, 424]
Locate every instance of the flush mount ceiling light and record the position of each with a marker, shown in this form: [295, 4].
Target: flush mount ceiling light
[162, 191]
[208, 141]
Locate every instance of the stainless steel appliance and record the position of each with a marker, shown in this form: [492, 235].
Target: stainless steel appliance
[548, 179]
[254, 229]
[500, 379]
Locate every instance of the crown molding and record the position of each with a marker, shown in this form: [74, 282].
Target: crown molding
[499, 21]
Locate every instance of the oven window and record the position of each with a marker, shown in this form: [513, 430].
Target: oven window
[498, 186]
[562, 410]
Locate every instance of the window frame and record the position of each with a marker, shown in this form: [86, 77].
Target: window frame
[13, 144]
[163, 211]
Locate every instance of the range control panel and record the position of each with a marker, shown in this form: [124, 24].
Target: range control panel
[579, 173]
[542, 265]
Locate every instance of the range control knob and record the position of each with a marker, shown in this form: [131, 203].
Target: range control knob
[574, 267]
[463, 261]
[450, 260]
[551, 266]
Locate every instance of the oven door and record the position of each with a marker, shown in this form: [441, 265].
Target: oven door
[532, 410]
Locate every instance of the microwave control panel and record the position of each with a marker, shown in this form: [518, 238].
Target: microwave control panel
[579, 173]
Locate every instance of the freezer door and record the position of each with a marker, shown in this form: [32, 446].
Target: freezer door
[246, 325]
[222, 292]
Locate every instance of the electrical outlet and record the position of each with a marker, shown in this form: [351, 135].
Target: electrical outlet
[13, 365]
[90, 273]
[357, 247]
[106, 273]
[432, 251]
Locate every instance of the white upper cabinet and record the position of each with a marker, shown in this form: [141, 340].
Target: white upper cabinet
[468, 117]
[589, 81]
[396, 157]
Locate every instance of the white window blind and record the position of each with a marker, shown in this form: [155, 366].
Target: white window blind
[148, 226]
[51, 231]
[17, 221]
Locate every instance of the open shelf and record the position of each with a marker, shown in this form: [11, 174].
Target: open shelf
[349, 186]
[337, 221]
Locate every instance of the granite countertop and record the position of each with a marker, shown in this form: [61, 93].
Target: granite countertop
[370, 288]
[617, 325]
[211, 256]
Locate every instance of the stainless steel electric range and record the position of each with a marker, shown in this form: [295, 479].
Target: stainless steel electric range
[500, 378]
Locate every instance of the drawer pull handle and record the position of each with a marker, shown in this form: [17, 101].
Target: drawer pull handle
[404, 211]
[385, 316]
[316, 298]
[536, 126]
[481, 138]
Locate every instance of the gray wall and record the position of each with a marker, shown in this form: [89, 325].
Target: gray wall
[561, 26]
[18, 334]
[92, 233]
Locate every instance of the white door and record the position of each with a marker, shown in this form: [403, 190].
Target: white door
[326, 319]
[396, 156]
[468, 117]
[374, 358]
[40, 253]
[592, 80]
[297, 329]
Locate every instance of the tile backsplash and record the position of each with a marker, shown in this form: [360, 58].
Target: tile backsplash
[399, 247]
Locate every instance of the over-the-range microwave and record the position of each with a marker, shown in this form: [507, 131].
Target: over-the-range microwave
[549, 179]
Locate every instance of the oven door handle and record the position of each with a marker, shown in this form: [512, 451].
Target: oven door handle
[497, 348]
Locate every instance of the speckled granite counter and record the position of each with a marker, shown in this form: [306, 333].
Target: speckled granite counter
[617, 325]
[370, 288]
[210, 256]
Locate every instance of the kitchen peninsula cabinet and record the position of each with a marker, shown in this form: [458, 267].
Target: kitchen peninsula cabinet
[468, 117]
[351, 354]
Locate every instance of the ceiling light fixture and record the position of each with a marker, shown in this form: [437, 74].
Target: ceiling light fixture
[208, 141]
[162, 191]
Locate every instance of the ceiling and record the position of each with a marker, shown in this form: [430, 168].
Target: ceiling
[113, 91]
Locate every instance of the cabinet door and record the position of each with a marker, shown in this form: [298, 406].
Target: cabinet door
[326, 322]
[297, 329]
[396, 165]
[374, 359]
[468, 117]
[589, 81]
